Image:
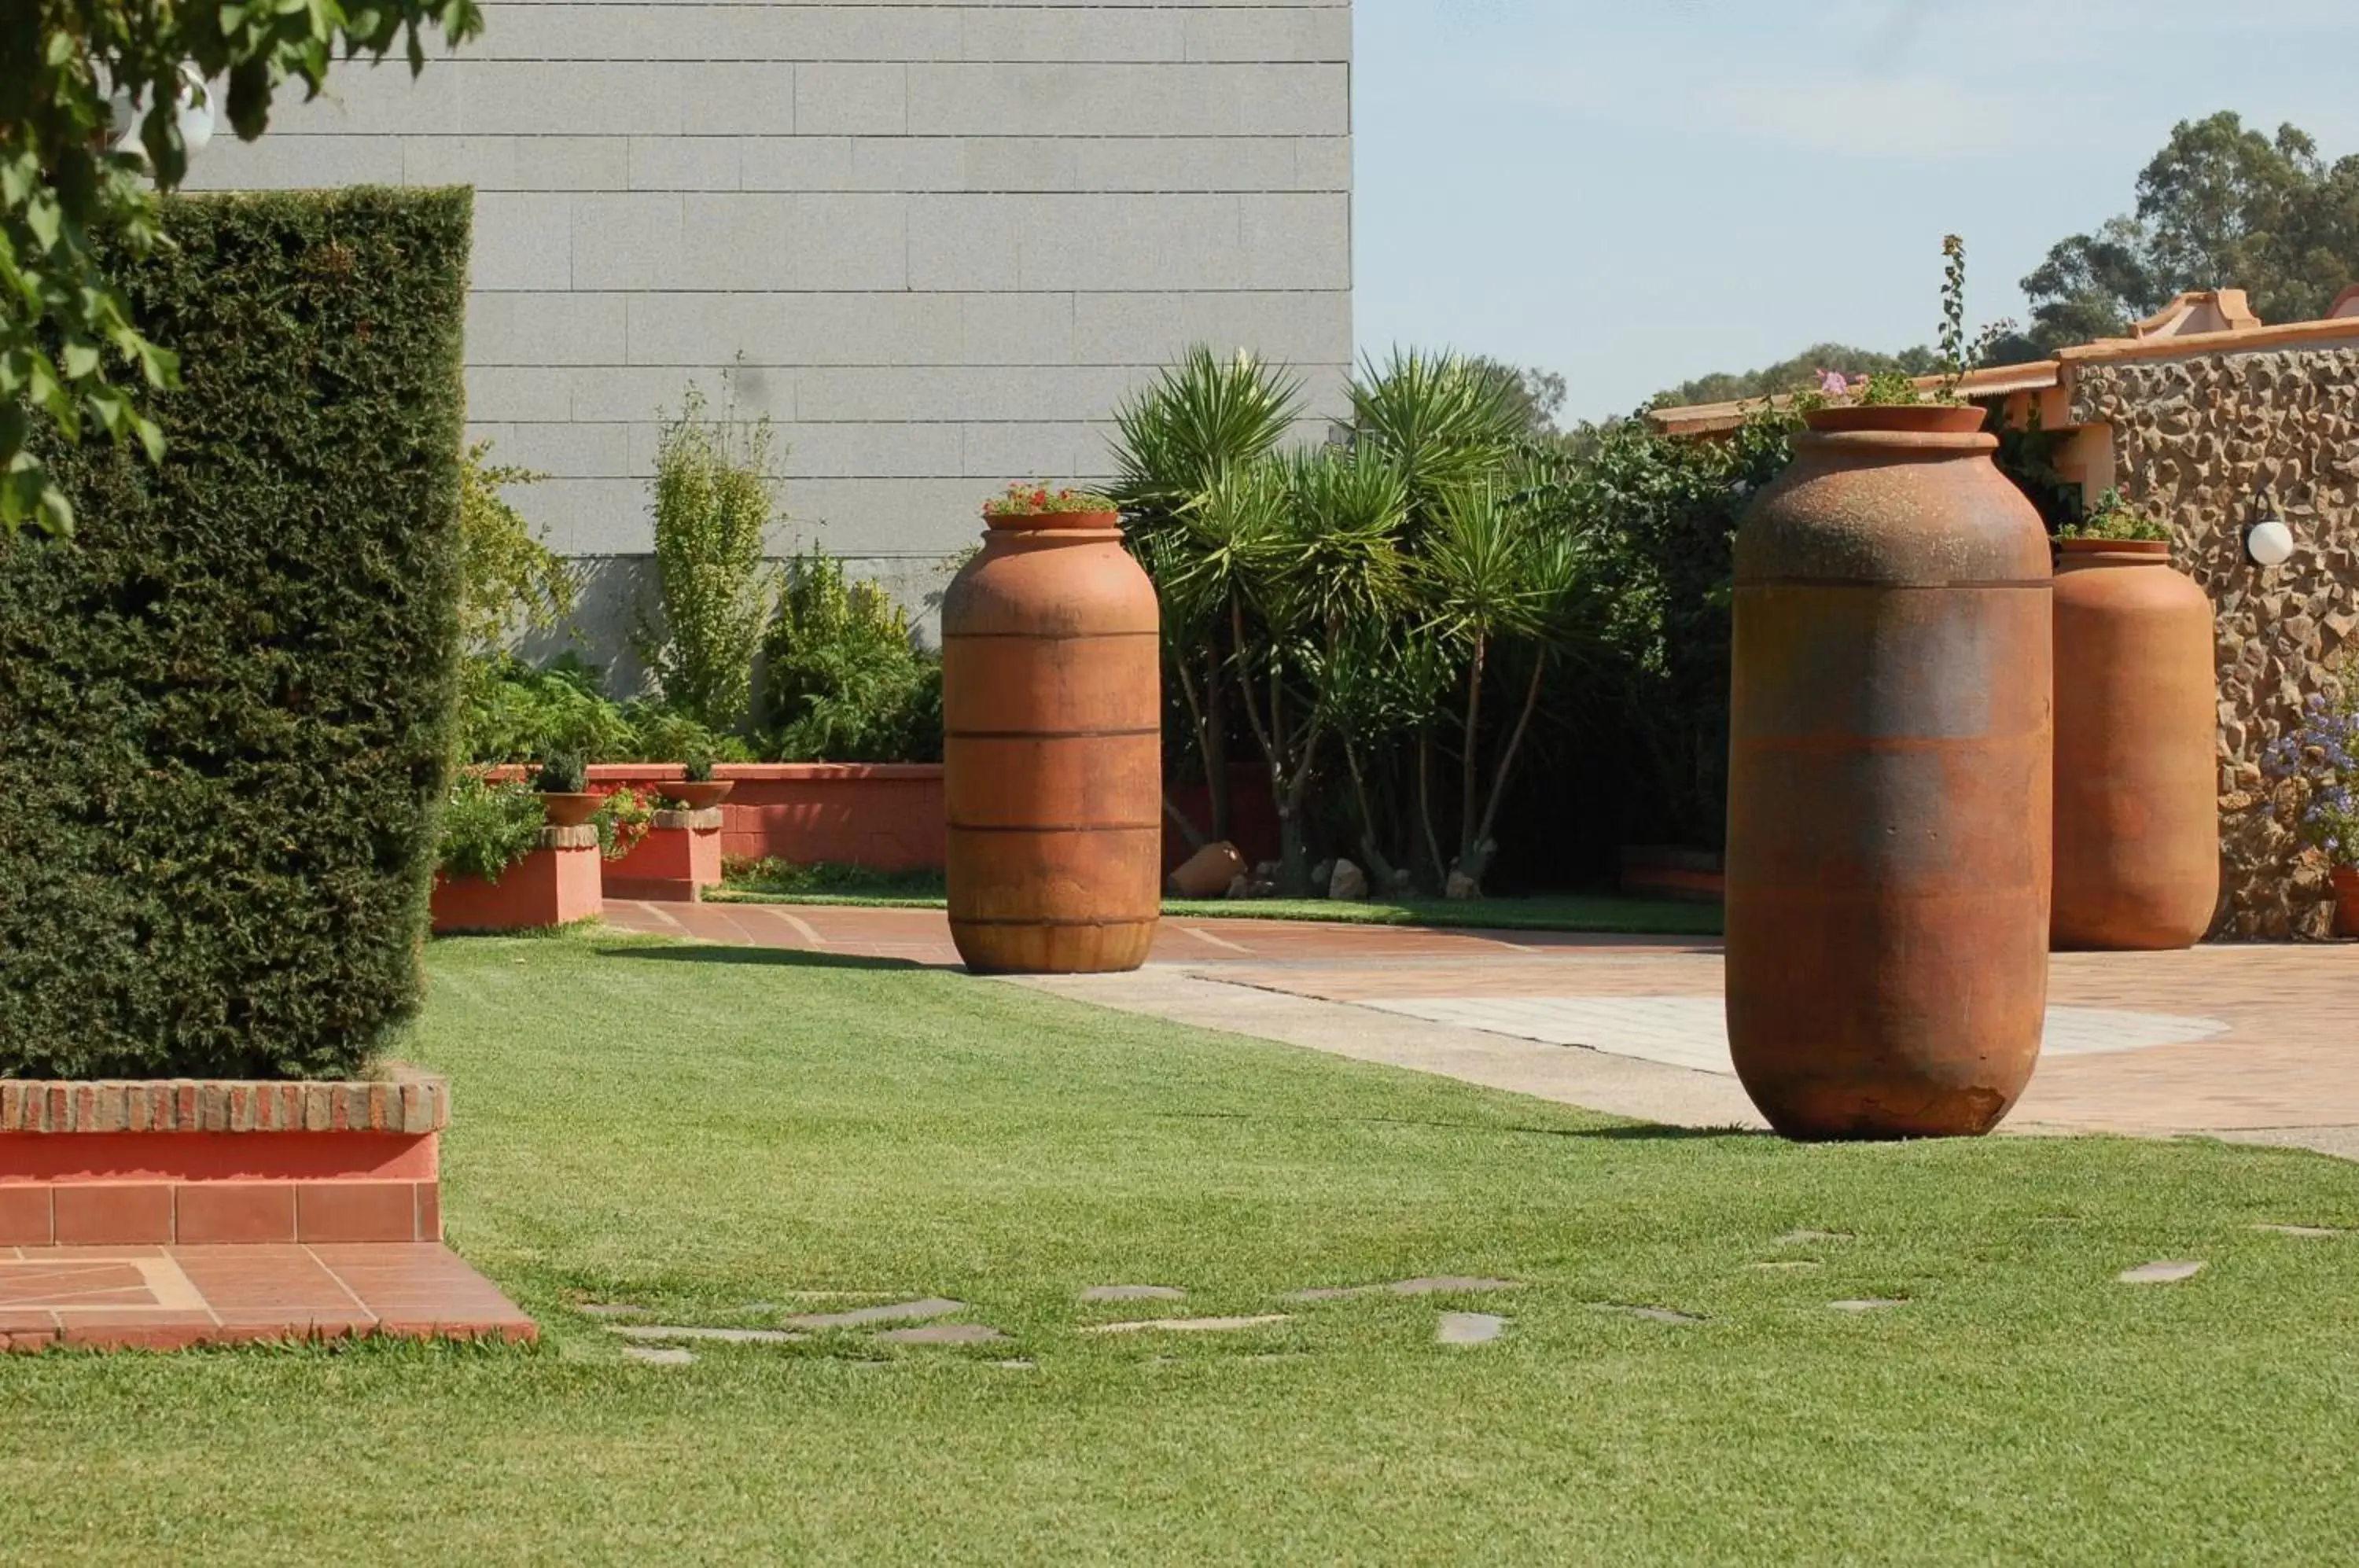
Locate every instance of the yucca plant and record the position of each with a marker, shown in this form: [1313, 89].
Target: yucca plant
[1204, 419]
[1493, 574]
[1446, 422]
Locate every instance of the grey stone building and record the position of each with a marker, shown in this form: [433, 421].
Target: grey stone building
[937, 241]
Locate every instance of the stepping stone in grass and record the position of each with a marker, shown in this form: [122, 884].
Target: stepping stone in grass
[944, 1334]
[1652, 1315]
[1018, 1365]
[721, 1335]
[612, 1309]
[1803, 1237]
[898, 1312]
[2163, 1273]
[1791, 1263]
[658, 1354]
[1421, 1287]
[2314, 1230]
[1133, 1293]
[1188, 1325]
[1868, 1303]
[1469, 1328]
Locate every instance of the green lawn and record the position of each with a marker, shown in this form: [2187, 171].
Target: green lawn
[702, 1129]
[851, 885]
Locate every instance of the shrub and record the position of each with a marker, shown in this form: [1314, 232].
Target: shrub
[714, 499]
[623, 819]
[486, 826]
[509, 579]
[561, 773]
[2115, 519]
[511, 711]
[843, 680]
[225, 707]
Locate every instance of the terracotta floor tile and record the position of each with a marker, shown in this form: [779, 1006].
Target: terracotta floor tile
[230, 1294]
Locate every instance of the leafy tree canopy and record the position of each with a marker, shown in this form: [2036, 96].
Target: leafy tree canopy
[75, 77]
[1537, 396]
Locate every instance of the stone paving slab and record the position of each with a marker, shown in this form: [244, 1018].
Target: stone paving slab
[169, 1297]
[2282, 1069]
[1692, 1031]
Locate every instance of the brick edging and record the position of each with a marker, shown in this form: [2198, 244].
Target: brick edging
[408, 1102]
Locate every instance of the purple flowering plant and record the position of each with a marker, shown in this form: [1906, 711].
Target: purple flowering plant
[2324, 755]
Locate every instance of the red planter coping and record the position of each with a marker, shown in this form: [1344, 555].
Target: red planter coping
[553, 886]
[138, 1163]
[680, 855]
[888, 816]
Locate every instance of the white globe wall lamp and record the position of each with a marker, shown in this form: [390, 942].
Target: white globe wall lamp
[2268, 541]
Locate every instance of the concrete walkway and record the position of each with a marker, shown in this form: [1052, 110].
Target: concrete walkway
[2255, 1043]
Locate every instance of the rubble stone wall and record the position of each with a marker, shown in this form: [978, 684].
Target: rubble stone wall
[2200, 441]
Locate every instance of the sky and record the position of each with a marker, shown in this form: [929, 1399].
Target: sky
[1636, 193]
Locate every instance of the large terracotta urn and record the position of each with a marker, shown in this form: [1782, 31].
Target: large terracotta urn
[1052, 749]
[1888, 817]
[2137, 815]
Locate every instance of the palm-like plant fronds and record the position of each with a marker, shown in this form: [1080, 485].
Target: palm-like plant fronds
[1442, 420]
[1204, 417]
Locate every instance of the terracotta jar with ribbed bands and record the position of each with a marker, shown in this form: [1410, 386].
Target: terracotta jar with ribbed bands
[2137, 811]
[1052, 749]
[1888, 814]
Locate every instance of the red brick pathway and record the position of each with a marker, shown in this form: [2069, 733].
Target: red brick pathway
[2289, 1057]
[169, 1298]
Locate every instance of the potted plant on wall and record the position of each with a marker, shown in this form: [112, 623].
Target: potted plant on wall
[563, 783]
[2322, 758]
[699, 791]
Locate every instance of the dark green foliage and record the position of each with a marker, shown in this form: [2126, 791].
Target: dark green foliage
[511, 711]
[561, 773]
[842, 681]
[225, 707]
[1660, 516]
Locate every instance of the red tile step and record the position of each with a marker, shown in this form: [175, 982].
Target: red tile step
[172, 1297]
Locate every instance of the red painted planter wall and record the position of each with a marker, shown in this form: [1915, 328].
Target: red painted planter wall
[546, 887]
[889, 816]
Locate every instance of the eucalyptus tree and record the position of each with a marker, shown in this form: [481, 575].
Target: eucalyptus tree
[1204, 419]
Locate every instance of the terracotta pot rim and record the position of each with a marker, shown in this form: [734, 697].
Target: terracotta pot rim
[1916, 418]
[1052, 522]
[568, 808]
[2144, 549]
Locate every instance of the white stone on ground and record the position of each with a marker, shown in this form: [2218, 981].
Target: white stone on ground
[1652, 1315]
[720, 1336]
[2163, 1273]
[658, 1354]
[1188, 1325]
[1867, 1303]
[2311, 1230]
[1469, 1328]
[1133, 1293]
[899, 1311]
[944, 1334]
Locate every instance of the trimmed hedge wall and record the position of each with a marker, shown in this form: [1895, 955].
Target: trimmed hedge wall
[226, 707]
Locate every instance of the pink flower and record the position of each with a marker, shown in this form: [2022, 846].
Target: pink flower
[1833, 384]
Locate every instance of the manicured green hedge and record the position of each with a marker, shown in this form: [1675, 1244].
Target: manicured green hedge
[225, 707]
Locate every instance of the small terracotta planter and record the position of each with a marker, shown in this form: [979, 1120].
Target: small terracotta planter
[2346, 900]
[697, 797]
[569, 810]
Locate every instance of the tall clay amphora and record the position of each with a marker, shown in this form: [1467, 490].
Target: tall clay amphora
[1052, 749]
[2137, 815]
[1888, 812]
